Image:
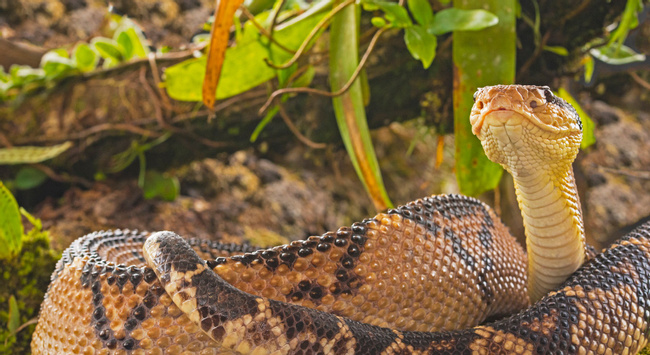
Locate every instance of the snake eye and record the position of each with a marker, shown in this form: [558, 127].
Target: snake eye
[548, 94]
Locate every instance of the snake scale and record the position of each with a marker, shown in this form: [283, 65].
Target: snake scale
[418, 279]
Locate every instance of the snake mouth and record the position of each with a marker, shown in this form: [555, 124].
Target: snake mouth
[482, 120]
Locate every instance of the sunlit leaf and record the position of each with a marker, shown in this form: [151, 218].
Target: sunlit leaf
[11, 227]
[589, 67]
[85, 58]
[421, 44]
[125, 45]
[54, 64]
[349, 108]
[421, 11]
[378, 21]
[617, 55]
[457, 19]
[31, 154]
[136, 39]
[184, 80]
[474, 171]
[28, 177]
[559, 50]
[223, 18]
[588, 137]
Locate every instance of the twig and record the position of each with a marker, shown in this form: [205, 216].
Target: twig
[308, 142]
[62, 178]
[310, 36]
[342, 90]
[21, 327]
[156, 79]
[155, 100]
[263, 30]
[640, 80]
[275, 18]
[639, 174]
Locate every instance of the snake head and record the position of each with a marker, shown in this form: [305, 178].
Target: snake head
[525, 127]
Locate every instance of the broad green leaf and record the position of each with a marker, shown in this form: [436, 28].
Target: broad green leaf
[55, 65]
[348, 107]
[588, 137]
[11, 227]
[395, 14]
[160, 185]
[86, 59]
[421, 11]
[28, 177]
[458, 19]
[22, 74]
[14, 316]
[31, 154]
[185, 80]
[421, 44]
[107, 48]
[617, 55]
[481, 58]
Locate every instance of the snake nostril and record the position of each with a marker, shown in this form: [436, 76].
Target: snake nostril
[479, 105]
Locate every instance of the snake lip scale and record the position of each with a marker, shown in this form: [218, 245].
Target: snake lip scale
[419, 279]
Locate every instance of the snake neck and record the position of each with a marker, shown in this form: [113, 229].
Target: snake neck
[555, 236]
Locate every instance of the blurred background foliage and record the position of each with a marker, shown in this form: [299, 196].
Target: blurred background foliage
[94, 93]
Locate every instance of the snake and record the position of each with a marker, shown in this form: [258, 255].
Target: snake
[438, 275]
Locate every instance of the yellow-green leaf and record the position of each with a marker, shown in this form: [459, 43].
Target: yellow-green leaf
[31, 154]
[11, 227]
[588, 137]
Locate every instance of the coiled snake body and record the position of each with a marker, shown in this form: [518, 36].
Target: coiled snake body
[394, 284]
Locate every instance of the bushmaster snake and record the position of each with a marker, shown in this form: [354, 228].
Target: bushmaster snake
[396, 283]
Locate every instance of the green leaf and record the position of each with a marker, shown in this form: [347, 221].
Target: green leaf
[421, 44]
[589, 68]
[125, 45]
[28, 177]
[38, 226]
[55, 64]
[617, 55]
[305, 78]
[349, 107]
[265, 121]
[559, 50]
[11, 227]
[474, 171]
[456, 19]
[184, 80]
[31, 154]
[160, 185]
[107, 48]
[395, 14]
[85, 58]
[139, 50]
[588, 137]
[378, 21]
[421, 11]
[14, 316]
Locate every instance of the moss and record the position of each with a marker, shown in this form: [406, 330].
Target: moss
[26, 277]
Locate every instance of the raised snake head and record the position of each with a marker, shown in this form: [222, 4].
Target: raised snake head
[526, 127]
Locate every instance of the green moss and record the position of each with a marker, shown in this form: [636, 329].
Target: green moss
[26, 277]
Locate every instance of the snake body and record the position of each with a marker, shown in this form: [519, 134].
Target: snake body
[393, 284]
